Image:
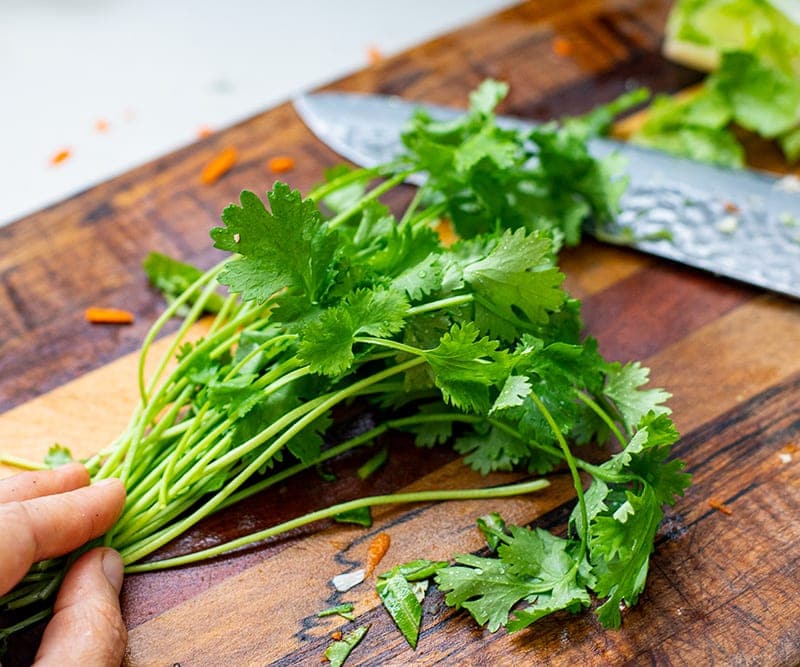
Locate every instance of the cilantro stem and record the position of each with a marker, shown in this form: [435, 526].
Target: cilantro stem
[412, 206]
[393, 344]
[329, 512]
[20, 462]
[313, 409]
[441, 304]
[5, 633]
[592, 404]
[168, 314]
[576, 478]
[324, 189]
[369, 197]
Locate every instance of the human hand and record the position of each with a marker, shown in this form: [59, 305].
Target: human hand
[50, 513]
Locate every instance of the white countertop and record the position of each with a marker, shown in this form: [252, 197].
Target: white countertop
[117, 82]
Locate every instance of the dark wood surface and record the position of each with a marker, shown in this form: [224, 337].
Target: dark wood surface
[723, 589]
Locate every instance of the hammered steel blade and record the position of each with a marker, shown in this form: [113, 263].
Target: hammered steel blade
[736, 223]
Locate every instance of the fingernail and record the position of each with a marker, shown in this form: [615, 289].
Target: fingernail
[112, 568]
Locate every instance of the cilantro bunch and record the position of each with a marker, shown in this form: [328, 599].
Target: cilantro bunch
[333, 300]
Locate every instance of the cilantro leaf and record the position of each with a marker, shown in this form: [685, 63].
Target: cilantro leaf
[361, 517]
[623, 387]
[338, 652]
[173, 278]
[493, 528]
[464, 367]
[487, 96]
[326, 341]
[421, 279]
[288, 247]
[517, 279]
[344, 198]
[532, 565]
[620, 551]
[345, 610]
[484, 587]
[515, 389]
[492, 177]
[400, 601]
[495, 450]
[416, 570]
[376, 312]
[58, 456]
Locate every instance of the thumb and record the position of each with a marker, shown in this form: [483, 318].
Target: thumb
[87, 628]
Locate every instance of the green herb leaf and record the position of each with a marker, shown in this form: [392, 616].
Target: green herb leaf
[57, 456]
[493, 528]
[415, 570]
[623, 386]
[464, 367]
[517, 279]
[344, 610]
[173, 278]
[361, 517]
[287, 248]
[401, 602]
[339, 651]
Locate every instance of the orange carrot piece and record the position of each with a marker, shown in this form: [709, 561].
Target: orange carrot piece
[204, 131]
[376, 551]
[720, 506]
[219, 165]
[562, 47]
[108, 316]
[60, 156]
[447, 235]
[374, 55]
[101, 125]
[280, 164]
[336, 636]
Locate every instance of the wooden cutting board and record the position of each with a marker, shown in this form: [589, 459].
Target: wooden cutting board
[723, 588]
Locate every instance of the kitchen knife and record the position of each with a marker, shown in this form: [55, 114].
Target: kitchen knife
[736, 223]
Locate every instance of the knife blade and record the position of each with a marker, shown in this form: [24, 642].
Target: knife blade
[736, 223]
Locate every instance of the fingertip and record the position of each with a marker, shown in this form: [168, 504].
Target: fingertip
[110, 483]
[113, 568]
[115, 487]
[87, 627]
[76, 466]
[74, 474]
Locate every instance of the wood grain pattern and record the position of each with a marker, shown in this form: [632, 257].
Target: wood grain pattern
[722, 589]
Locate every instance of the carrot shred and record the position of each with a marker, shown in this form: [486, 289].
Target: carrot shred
[219, 165]
[374, 55]
[204, 131]
[101, 125]
[280, 164]
[720, 506]
[730, 207]
[336, 636]
[447, 235]
[376, 551]
[97, 315]
[60, 156]
[562, 47]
